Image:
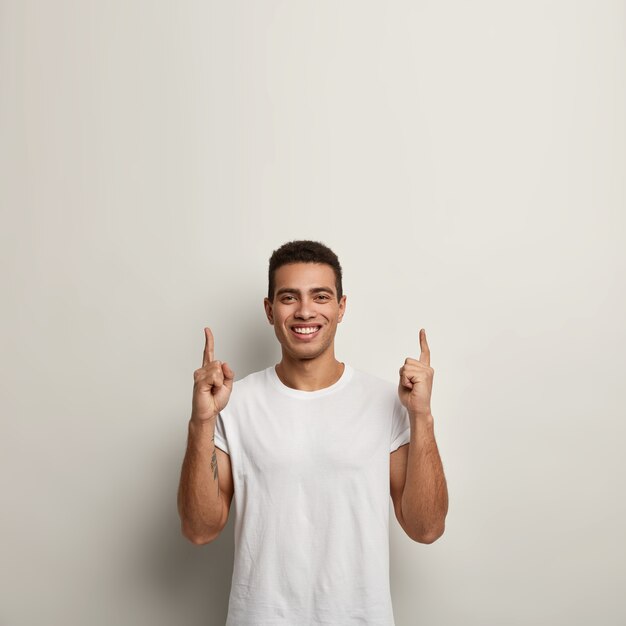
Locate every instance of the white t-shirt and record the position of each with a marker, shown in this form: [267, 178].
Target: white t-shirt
[311, 479]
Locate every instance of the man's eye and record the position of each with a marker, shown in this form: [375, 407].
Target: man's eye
[287, 298]
[323, 297]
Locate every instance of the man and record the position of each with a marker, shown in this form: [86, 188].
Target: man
[311, 449]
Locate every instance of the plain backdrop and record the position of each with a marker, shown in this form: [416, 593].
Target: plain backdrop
[466, 161]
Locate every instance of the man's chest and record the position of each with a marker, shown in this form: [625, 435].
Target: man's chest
[314, 439]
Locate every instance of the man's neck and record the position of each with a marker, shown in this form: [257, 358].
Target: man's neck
[309, 374]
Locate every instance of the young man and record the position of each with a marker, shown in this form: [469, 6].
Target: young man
[312, 449]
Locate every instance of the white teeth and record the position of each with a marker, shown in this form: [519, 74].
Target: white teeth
[306, 331]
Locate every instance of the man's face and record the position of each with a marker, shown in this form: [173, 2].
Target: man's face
[305, 311]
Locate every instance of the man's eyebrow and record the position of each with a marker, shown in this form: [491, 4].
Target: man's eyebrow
[283, 290]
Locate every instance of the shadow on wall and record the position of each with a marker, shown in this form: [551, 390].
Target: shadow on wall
[257, 346]
[195, 579]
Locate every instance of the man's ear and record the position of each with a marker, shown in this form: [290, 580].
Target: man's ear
[268, 310]
[342, 307]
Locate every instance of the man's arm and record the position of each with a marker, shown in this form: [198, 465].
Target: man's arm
[206, 486]
[424, 500]
[203, 497]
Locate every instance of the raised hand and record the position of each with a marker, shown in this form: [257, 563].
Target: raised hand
[212, 384]
[416, 381]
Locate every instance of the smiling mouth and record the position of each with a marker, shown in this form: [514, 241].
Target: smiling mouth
[304, 332]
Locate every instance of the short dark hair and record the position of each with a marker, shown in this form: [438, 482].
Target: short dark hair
[303, 251]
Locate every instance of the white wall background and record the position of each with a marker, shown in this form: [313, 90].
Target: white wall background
[466, 160]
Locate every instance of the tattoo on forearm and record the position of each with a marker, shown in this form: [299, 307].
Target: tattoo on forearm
[214, 466]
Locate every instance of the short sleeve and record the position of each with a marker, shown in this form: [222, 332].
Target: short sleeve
[220, 434]
[400, 426]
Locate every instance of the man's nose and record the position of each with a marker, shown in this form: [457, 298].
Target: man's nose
[304, 309]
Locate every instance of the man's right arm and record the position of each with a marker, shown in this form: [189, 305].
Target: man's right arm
[206, 483]
[205, 490]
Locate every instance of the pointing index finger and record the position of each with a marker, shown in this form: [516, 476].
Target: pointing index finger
[425, 350]
[207, 357]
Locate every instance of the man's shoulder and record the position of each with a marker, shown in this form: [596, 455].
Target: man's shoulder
[246, 390]
[374, 382]
[252, 379]
[261, 379]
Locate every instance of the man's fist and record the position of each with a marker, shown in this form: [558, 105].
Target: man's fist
[212, 383]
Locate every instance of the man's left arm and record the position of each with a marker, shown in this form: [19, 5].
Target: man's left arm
[424, 502]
